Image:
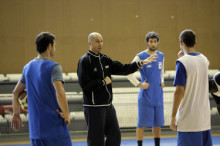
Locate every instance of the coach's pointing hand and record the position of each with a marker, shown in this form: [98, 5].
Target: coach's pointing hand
[152, 58]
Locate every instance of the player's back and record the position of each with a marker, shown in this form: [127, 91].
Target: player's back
[44, 121]
[195, 102]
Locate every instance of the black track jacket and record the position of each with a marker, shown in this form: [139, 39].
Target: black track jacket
[92, 70]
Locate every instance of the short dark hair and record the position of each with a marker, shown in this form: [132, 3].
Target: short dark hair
[151, 35]
[188, 37]
[43, 40]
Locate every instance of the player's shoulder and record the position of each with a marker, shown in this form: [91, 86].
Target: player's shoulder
[189, 58]
[160, 53]
[141, 53]
[30, 62]
[57, 67]
[184, 57]
[202, 55]
[51, 63]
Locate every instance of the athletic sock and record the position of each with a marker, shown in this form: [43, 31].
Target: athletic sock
[139, 142]
[157, 141]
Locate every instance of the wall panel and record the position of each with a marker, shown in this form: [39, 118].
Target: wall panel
[123, 25]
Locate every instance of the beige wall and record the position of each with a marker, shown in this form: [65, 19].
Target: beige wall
[123, 24]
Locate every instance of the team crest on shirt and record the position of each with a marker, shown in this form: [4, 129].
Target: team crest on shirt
[107, 66]
[160, 65]
[149, 66]
[95, 69]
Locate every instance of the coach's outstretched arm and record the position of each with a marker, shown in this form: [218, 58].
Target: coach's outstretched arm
[126, 69]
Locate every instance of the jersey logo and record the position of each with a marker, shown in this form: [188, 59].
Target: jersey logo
[148, 66]
[95, 69]
[107, 66]
[160, 65]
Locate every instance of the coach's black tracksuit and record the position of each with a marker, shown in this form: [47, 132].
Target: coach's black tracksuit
[98, 109]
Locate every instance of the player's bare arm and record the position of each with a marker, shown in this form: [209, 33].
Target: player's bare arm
[16, 119]
[162, 85]
[144, 85]
[61, 98]
[178, 95]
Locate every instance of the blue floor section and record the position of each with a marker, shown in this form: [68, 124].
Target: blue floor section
[148, 142]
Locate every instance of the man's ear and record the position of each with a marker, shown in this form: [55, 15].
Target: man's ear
[49, 47]
[89, 43]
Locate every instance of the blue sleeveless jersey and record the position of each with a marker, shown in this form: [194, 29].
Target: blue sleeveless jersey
[151, 72]
[44, 121]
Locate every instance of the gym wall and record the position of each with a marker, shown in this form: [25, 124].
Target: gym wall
[122, 23]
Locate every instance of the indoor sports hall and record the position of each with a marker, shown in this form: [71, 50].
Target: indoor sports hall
[123, 25]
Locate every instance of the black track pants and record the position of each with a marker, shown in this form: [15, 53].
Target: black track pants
[102, 122]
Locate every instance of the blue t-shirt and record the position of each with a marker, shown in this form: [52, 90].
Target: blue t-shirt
[151, 72]
[181, 75]
[44, 121]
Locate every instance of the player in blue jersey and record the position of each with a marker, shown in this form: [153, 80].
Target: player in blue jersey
[150, 98]
[47, 104]
[192, 122]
